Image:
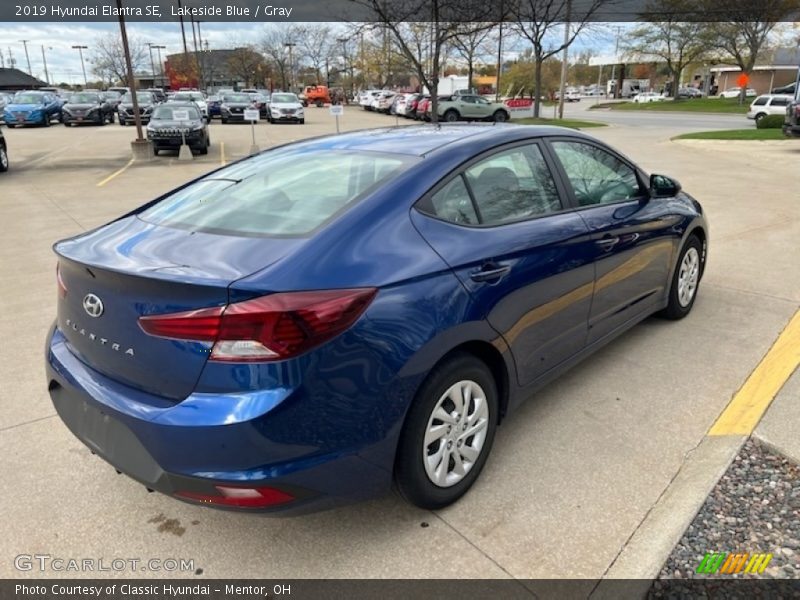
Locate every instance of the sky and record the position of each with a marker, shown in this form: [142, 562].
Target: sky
[64, 65]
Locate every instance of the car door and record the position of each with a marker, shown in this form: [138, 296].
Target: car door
[634, 238]
[501, 224]
[778, 105]
[466, 106]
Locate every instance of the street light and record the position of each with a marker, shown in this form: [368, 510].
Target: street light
[343, 41]
[44, 61]
[152, 64]
[80, 50]
[291, 45]
[160, 64]
[28, 58]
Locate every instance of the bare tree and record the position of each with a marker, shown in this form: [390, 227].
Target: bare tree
[316, 45]
[445, 18]
[274, 45]
[471, 45]
[538, 20]
[746, 28]
[108, 57]
[248, 65]
[669, 37]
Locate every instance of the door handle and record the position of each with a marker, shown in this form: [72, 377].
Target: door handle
[608, 242]
[490, 273]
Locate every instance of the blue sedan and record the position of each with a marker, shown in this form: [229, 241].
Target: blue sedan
[313, 324]
[32, 108]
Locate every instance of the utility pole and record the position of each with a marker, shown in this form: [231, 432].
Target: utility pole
[499, 54]
[44, 61]
[80, 50]
[183, 30]
[618, 29]
[291, 45]
[28, 58]
[564, 63]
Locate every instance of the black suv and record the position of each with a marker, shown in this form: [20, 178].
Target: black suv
[3, 153]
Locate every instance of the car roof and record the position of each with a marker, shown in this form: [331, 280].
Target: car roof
[425, 139]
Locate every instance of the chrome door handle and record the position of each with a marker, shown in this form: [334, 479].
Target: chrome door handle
[608, 242]
[490, 273]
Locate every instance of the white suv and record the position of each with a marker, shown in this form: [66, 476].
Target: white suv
[769, 104]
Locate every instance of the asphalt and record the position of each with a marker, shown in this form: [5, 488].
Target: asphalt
[598, 475]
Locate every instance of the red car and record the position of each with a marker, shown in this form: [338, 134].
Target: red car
[421, 107]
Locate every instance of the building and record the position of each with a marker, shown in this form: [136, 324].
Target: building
[14, 79]
[778, 68]
[213, 72]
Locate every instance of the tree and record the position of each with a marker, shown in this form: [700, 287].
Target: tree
[275, 46]
[669, 37]
[746, 28]
[315, 44]
[471, 45]
[448, 18]
[538, 20]
[108, 57]
[246, 64]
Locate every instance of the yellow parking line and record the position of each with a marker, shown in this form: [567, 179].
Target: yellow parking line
[750, 403]
[116, 173]
[222, 160]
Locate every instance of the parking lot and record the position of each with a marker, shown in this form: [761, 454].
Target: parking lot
[572, 476]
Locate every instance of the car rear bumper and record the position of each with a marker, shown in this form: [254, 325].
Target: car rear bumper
[209, 439]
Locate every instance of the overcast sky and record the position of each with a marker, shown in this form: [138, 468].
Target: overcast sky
[64, 65]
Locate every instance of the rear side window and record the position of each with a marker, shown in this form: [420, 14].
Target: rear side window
[780, 102]
[760, 101]
[290, 192]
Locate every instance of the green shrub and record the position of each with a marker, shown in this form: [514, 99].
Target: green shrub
[770, 122]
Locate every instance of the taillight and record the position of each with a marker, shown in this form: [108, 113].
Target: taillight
[242, 497]
[273, 327]
[62, 289]
[797, 110]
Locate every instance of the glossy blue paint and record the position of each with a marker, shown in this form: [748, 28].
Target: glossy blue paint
[327, 422]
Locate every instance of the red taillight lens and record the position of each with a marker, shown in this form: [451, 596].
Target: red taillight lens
[242, 497]
[62, 289]
[273, 327]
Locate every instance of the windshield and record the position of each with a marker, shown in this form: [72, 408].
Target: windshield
[278, 98]
[112, 95]
[28, 99]
[140, 97]
[84, 98]
[188, 96]
[289, 192]
[237, 98]
[167, 113]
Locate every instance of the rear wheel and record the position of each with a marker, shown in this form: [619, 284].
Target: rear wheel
[46, 121]
[448, 433]
[451, 116]
[685, 280]
[3, 159]
[302, 121]
[500, 116]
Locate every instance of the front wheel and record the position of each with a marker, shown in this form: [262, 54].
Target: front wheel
[685, 280]
[3, 159]
[448, 433]
[302, 121]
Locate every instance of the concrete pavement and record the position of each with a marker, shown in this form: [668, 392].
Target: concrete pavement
[584, 474]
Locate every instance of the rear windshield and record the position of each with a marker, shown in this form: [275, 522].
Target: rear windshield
[282, 193]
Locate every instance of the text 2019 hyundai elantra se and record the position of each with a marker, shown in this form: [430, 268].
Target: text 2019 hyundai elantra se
[309, 325]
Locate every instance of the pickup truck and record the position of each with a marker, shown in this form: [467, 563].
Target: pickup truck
[470, 108]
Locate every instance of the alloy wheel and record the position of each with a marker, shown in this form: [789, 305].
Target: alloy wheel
[688, 276]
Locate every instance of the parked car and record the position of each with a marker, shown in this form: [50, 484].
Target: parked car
[4, 100]
[120, 90]
[260, 102]
[233, 107]
[4, 162]
[411, 106]
[785, 89]
[689, 92]
[286, 108]
[323, 345]
[198, 98]
[791, 124]
[113, 98]
[383, 102]
[646, 97]
[401, 104]
[168, 128]
[571, 95]
[768, 104]
[87, 107]
[470, 108]
[32, 108]
[735, 92]
[366, 98]
[145, 100]
[213, 104]
[159, 94]
[421, 113]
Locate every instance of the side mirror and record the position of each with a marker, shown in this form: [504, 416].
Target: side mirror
[662, 186]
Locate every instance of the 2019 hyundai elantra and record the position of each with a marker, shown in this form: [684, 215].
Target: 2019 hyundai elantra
[309, 325]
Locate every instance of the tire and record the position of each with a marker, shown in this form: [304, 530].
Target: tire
[302, 121]
[760, 116]
[415, 460]
[111, 118]
[451, 116]
[102, 122]
[122, 122]
[155, 150]
[67, 123]
[688, 272]
[4, 163]
[46, 121]
[500, 116]
[224, 121]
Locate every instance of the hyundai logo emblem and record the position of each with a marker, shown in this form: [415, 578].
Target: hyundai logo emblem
[92, 305]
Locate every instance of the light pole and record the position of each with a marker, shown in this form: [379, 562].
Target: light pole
[80, 50]
[28, 58]
[44, 61]
[152, 63]
[160, 64]
[291, 45]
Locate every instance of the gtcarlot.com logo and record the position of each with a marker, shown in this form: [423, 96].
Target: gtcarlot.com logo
[47, 562]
